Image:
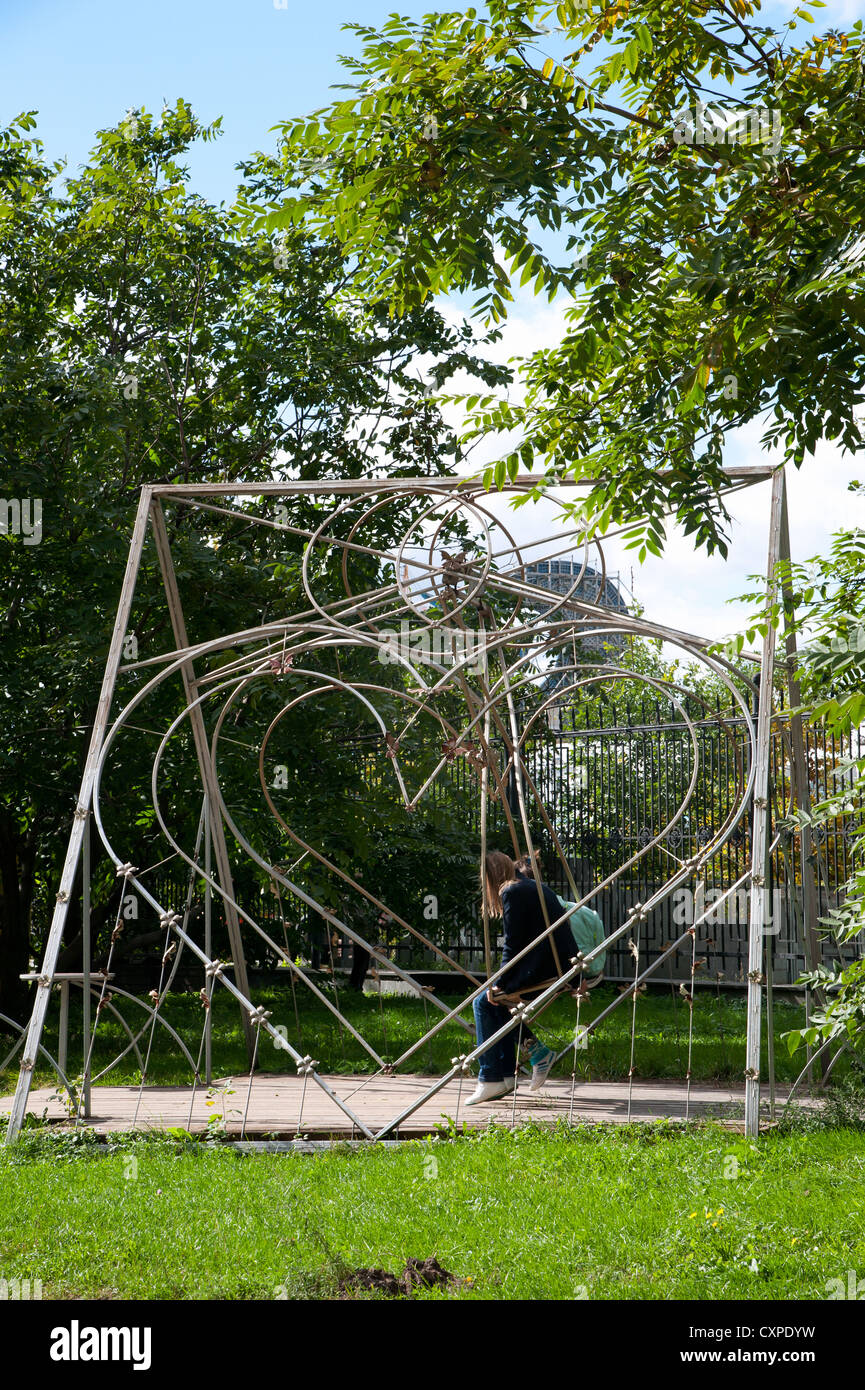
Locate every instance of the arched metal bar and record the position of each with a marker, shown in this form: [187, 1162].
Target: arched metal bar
[22, 1028]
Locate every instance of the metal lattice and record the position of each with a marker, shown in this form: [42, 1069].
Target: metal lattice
[472, 653]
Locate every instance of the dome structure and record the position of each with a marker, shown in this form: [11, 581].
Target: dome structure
[594, 587]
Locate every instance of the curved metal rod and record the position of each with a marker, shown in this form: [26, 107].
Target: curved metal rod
[491, 555]
[623, 674]
[278, 876]
[503, 639]
[305, 897]
[670, 823]
[663, 687]
[317, 535]
[244, 914]
[22, 1028]
[159, 1018]
[214, 884]
[494, 695]
[503, 688]
[322, 859]
[364, 517]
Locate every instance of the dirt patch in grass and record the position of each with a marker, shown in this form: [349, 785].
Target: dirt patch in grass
[416, 1275]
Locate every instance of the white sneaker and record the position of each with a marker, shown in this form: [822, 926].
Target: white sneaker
[541, 1070]
[491, 1090]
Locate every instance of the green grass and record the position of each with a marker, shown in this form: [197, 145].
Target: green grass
[394, 1023]
[654, 1213]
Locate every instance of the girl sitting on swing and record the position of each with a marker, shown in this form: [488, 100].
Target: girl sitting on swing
[516, 898]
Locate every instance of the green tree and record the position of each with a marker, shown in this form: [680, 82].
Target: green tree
[691, 179]
[714, 264]
[828, 594]
[145, 338]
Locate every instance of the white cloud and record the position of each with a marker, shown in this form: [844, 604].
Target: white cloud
[691, 590]
[688, 589]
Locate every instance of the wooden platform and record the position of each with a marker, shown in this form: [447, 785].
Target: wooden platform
[275, 1105]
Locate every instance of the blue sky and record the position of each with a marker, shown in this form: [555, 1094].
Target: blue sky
[83, 63]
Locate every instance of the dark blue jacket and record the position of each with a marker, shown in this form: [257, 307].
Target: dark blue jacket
[523, 920]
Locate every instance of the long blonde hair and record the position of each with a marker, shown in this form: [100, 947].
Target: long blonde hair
[499, 869]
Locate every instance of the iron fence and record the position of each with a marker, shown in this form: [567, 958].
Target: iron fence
[611, 778]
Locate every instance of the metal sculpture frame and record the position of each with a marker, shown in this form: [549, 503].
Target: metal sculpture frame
[461, 585]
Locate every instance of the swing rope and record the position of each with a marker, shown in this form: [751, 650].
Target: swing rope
[699, 912]
[206, 998]
[305, 1069]
[336, 995]
[459, 1062]
[125, 872]
[638, 916]
[169, 948]
[519, 1012]
[579, 996]
[429, 1055]
[689, 995]
[381, 1018]
[674, 993]
[291, 967]
[257, 1016]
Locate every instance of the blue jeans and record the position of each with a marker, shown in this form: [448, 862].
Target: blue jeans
[499, 1061]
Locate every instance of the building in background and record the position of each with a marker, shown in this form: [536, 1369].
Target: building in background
[559, 577]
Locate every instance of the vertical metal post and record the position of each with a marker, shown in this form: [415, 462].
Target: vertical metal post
[208, 943]
[485, 794]
[76, 836]
[799, 761]
[770, 1018]
[85, 965]
[759, 835]
[769, 934]
[208, 777]
[63, 1039]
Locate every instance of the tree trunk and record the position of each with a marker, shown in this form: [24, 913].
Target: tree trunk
[360, 959]
[16, 895]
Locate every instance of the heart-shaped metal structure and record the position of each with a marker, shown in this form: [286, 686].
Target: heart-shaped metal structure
[446, 644]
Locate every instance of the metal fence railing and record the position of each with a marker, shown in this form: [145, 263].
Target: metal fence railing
[611, 779]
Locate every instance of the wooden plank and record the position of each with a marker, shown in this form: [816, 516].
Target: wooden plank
[748, 472]
[275, 1104]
